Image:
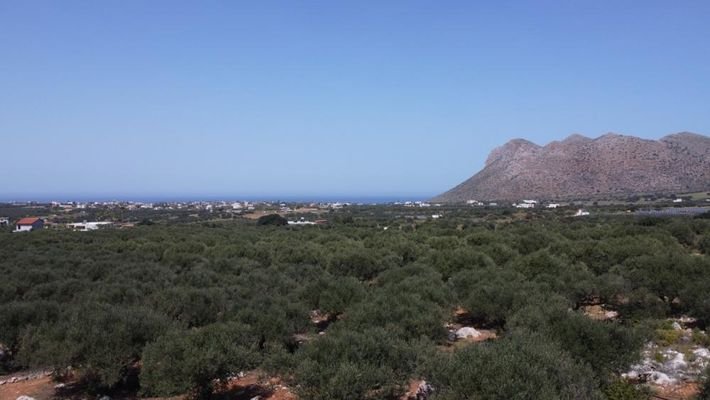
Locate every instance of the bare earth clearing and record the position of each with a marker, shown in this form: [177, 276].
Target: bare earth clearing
[247, 387]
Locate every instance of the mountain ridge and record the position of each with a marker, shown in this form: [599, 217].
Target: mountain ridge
[581, 167]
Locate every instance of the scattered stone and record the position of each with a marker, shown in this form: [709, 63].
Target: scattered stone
[688, 322]
[467, 332]
[25, 398]
[676, 326]
[660, 379]
[60, 386]
[702, 352]
[256, 398]
[668, 367]
[423, 391]
[632, 375]
[676, 361]
[418, 390]
[105, 398]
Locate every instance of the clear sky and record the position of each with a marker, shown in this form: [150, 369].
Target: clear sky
[327, 98]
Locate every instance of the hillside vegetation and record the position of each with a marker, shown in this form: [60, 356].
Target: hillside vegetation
[165, 310]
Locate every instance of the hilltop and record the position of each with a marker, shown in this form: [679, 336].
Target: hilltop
[581, 167]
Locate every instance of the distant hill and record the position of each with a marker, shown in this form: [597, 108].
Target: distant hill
[580, 167]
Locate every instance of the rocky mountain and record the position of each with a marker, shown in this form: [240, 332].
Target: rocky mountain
[579, 167]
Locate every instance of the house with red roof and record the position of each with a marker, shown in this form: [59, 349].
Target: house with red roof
[29, 224]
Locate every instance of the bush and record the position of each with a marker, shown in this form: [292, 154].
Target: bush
[272, 219]
[705, 390]
[704, 244]
[491, 295]
[607, 347]
[516, 367]
[101, 341]
[356, 262]
[404, 315]
[622, 390]
[345, 365]
[179, 363]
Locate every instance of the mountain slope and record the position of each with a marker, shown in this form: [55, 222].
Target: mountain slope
[580, 167]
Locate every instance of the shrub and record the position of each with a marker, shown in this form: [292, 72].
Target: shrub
[272, 219]
[516, 367]
[607, 347]
[622, 390]
[345, 365]
[705, 390]
[178, 362]
[101, 341]
[704, 244]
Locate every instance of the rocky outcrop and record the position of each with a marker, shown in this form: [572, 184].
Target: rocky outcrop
[580, 167]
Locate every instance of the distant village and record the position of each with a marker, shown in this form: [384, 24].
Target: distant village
[92, 216]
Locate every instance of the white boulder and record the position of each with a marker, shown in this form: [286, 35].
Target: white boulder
[467, 332]
[676, 361]
[702, 352]
[661, 379]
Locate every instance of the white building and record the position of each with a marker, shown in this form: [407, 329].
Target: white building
[4, 221]
[526, 204]
[302, 221]
[553, 205]
[581, 213]
[88, 226]
[29, 224]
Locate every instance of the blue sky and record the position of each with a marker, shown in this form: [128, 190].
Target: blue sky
[323, 98]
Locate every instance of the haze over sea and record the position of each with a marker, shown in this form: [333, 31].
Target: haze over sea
[355, 199]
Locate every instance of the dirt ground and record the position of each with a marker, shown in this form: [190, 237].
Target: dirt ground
[259, 214]
[599, 312]
[40, 388]
[252, 385]
[684, 391]
[245, 388]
